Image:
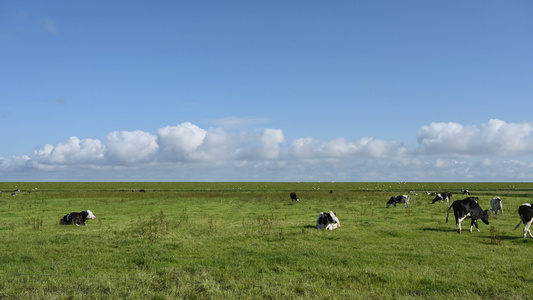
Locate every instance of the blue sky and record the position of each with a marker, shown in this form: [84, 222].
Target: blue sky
[266, 90]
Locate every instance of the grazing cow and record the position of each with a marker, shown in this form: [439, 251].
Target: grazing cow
[496, 204]
[442, 196]
[466, 192]
[328, 221]
[468, 208]
[294, 197]
[399, 199]
[526, 216]
[77, 218]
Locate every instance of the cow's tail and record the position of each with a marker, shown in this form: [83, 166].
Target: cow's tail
[448, 214]
[518, 223]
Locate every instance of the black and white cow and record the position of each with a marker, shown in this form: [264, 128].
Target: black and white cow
[526, 216]
[466, 192]
[77, 218]
[399, 199]
[328, 221]
[442, 196]
[468, 208]
[294, 197]
[496, 205]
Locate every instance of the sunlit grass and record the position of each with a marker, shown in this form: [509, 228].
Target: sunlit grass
[248, 240]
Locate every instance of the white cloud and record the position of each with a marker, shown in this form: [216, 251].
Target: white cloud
[177, 142]
[446, 152]
[73, 151]
[271, 140]
[493, 138]
[16, 162]
[131, 147]
[363, 148]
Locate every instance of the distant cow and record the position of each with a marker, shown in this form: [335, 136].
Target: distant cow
[328, 221]
[466, 192]
[442, 196]
[496, 205]
[526, 216]
[294, 197]
[468, 208]
[399, 199]
[77, 218]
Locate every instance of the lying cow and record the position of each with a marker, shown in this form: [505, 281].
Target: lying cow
[399, 199]
[526, 216]
[442, 196]
[77, 218]
[328, 221]
[496, 205]
[468, 208]
[294, 197]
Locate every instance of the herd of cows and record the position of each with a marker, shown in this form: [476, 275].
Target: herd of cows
[462, 209]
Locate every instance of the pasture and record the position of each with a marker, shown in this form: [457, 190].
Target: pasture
[249, 241]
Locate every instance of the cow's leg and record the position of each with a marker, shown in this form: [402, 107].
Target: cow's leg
[474, 222]
[458, 222]
[527, 230]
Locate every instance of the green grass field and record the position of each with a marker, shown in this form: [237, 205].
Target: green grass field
[249, 241]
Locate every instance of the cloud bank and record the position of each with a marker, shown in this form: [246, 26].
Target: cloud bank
[495, 150]
[493, 138]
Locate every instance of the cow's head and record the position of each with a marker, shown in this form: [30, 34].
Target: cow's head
[485, 216]
[90, 215]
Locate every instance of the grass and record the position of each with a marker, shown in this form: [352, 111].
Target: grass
[249, 241]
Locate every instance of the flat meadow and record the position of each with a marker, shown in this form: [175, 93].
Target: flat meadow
[216, 240]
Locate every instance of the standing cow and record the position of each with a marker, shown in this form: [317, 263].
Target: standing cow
[399, 199]
[526, 216]
[328, 221]
[468, 208]
[294, 197]
[496, 205]
[442, 196]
